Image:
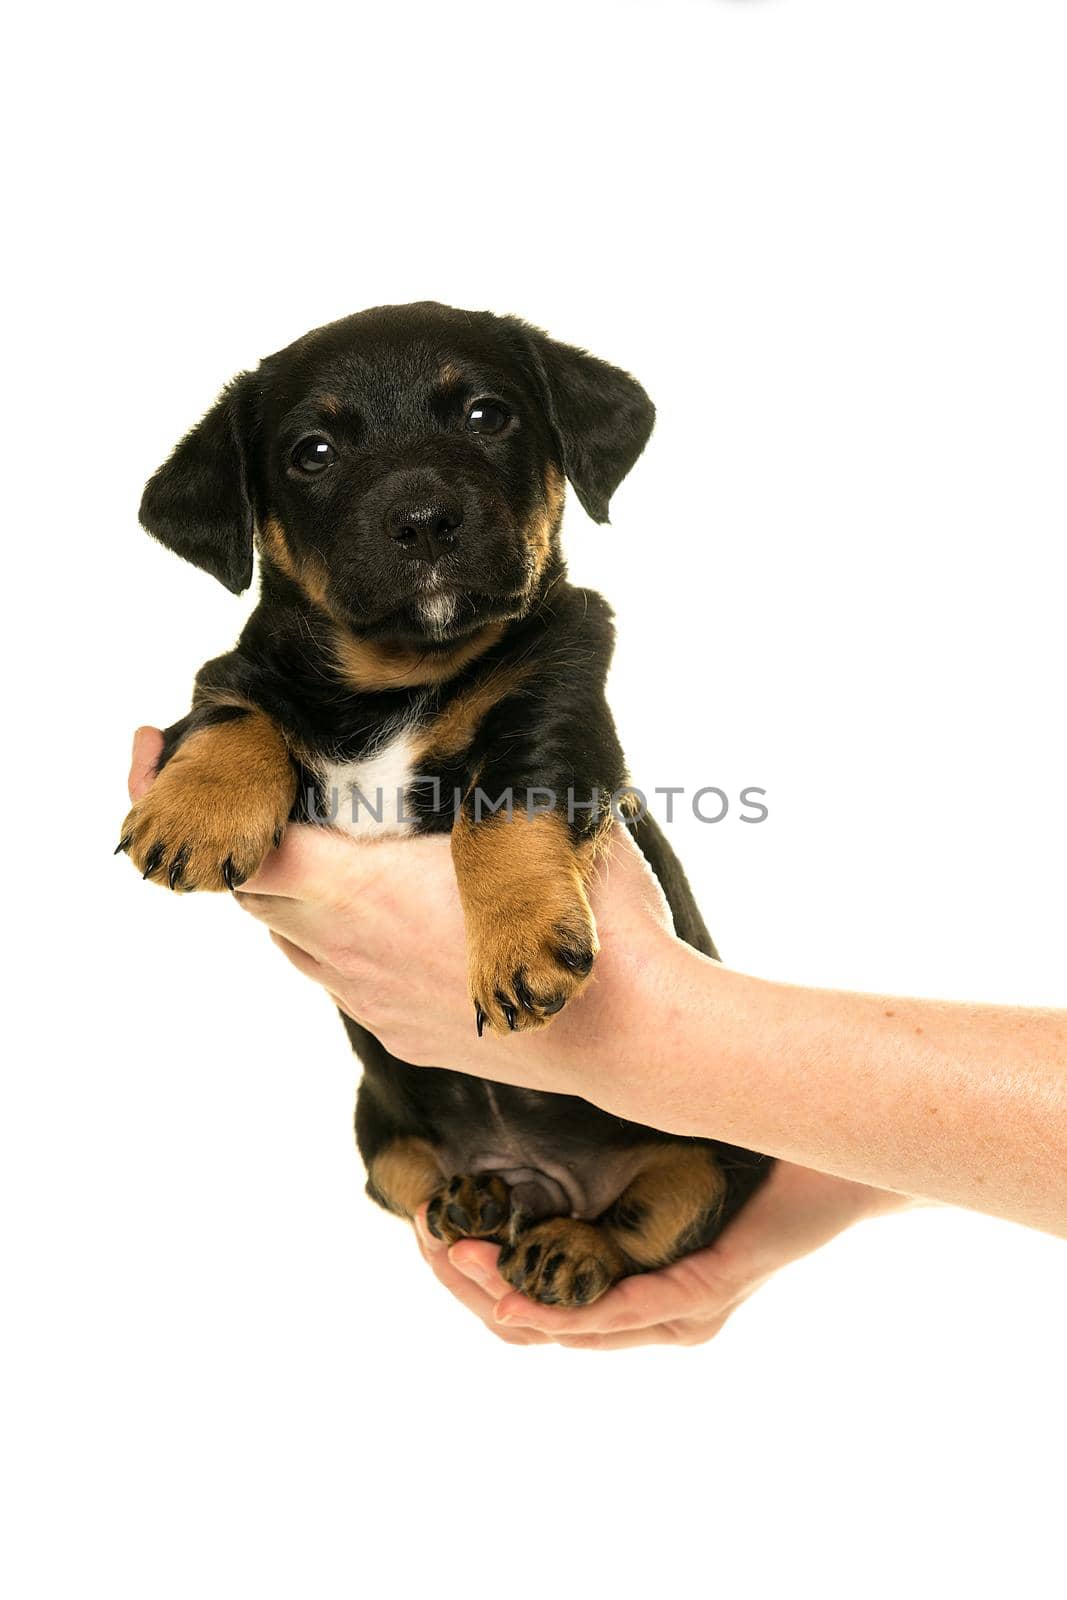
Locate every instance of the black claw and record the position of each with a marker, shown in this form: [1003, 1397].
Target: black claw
[458, 1217]
[277, 837]
[178, 866]
[550, 1007]
[432, 1214]
[479, 1020]
[153, 859]
[492, 1214]
[123, 844]
[505, 1255]
[230, 875]
[580, 961]
[510, 1014]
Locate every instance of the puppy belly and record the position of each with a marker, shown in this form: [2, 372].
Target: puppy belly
[583, 1185]
[533, 1191]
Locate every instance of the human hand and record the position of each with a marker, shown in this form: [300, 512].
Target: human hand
[793, 1213]
[341, 912]
[378, 923]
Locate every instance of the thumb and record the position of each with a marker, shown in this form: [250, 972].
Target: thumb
[147, 749]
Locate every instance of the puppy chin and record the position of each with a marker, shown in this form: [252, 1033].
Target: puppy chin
[434, 615]
[437, 613]
[424, 621]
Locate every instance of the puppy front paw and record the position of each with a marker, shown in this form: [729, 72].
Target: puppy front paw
[531, 938]
[215, 810]
[194, 840]
[526, 962]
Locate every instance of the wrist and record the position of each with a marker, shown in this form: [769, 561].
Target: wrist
[625, 1048]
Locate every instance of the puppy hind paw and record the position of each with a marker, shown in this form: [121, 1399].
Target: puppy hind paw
[470, 1207]
[561, 1262]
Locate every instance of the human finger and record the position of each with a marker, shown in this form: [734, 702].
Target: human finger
[147, 749]
[466, 1290]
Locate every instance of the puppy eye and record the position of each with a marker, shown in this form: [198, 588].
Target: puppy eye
[314, 454]
[487, 416]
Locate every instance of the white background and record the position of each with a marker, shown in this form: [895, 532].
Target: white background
[829, 238]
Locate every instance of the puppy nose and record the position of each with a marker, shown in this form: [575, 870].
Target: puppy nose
[424, 528]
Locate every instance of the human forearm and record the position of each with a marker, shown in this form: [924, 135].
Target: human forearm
[960, 1103]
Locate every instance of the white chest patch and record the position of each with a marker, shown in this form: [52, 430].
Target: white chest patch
[368, 797]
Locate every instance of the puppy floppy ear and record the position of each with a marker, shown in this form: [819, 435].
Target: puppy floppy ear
[199, 503]
[601, 417]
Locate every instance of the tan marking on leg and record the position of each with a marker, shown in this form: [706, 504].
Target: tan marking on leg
[229, 698]
[217, 806]
[531, 938]
[366, 667]
[670, 1200]
[404, 1175]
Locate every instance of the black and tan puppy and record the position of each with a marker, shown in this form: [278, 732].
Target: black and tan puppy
[419, 662]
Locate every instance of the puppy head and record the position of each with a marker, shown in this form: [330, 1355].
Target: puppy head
[403, 468]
